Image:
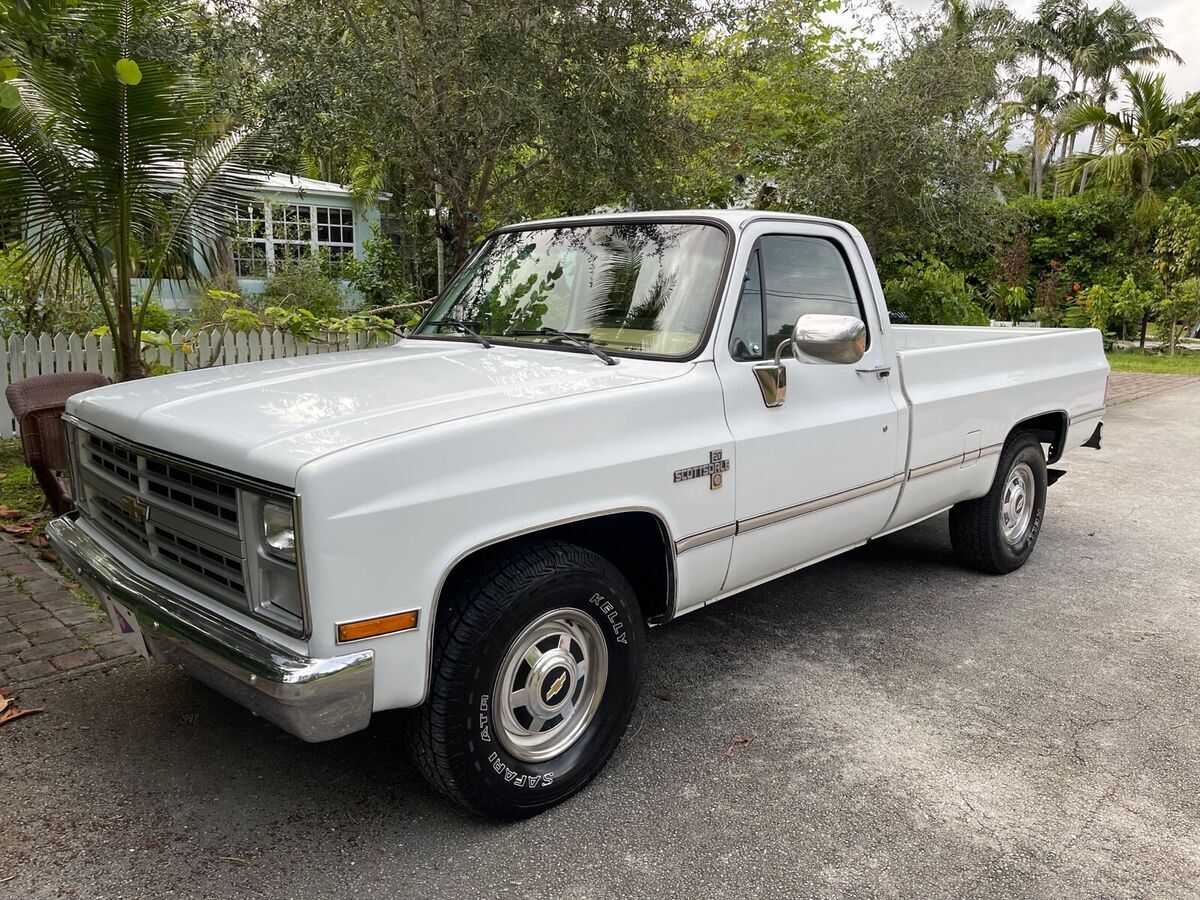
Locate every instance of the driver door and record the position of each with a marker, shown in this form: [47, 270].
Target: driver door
[820, 472]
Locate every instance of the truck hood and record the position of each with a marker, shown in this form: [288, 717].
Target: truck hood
[268, 419]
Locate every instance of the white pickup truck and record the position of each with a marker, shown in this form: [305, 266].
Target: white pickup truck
[603, 423]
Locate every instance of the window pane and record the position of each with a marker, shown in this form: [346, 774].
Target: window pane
[803, 275]
[248, 220]
[746, 342]
[335, 226]
[638, 286]
[250, 258]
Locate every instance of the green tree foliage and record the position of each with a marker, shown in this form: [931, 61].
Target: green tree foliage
[1179, 308]
[1135, 304]
[929, 292]
[507, 109]
[1134, 144]
[761, 93]
[482, 111]
[909, 159]
[1096, 303]
[379, 276]
[1076, 50]
[1177, 258]
[1090, 236]
[108, 155]
[28, 305]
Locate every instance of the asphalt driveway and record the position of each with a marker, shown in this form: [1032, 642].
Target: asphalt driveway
[883, 724]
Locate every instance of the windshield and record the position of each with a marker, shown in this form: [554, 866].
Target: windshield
[640, 287]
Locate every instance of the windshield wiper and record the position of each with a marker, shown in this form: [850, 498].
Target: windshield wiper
[468, 328]
[578, 338]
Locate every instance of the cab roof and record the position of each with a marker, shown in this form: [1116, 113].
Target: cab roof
[734, 218]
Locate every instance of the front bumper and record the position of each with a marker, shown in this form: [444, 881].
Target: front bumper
[314, 699]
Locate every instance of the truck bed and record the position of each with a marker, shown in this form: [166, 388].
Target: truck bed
[966, 386]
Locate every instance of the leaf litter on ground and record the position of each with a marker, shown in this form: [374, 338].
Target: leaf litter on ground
[9, 709]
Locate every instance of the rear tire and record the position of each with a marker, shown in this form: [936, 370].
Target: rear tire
[997, 532]
[537, 663]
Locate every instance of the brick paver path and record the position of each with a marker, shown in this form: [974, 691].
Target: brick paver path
[45, 629]
[1126, 386]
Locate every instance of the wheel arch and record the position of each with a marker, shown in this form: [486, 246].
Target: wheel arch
[635, 540]
[1049, 428]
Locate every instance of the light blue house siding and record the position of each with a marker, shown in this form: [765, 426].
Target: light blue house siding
[287, 217]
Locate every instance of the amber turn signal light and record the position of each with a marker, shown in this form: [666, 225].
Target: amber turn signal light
[366, 628]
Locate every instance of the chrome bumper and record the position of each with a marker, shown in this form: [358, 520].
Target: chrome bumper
[314, 699]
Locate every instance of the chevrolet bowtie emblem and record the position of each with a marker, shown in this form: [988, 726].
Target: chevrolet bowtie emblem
[556, 687]
[135, 509]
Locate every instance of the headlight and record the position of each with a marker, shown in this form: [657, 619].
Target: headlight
[279, 531]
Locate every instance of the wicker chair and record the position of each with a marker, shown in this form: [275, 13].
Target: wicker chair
[37, 404]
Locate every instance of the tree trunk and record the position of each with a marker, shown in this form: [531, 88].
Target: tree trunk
[1145, 322]
[441, 244]
[1035, 183]
[462, 236]
[128, 336]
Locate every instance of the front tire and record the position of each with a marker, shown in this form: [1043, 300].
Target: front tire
[537, 664]
[997, 532]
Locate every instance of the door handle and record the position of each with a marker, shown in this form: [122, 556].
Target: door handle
[878, 371]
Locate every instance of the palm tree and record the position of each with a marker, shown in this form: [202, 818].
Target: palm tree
[113, 164]
[1041, 92]
[1132, 143]
[1121, 42]
[988, 23]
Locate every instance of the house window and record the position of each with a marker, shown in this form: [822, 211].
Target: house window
[249, 240]
[291, 231]
[263, 235]
[335, 234]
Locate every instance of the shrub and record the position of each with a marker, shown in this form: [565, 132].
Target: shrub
[379, 274]
[1088, 237]
[158, 318]
[931, 293]
[212, 305]
[301, 284]
[65, 303]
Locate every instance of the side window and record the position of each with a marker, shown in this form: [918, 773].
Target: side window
[801, 275]
[746, 342]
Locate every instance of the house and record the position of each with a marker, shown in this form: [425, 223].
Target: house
[288, 217]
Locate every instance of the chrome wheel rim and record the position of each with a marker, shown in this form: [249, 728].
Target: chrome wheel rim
[1016, 504]
[550, 684]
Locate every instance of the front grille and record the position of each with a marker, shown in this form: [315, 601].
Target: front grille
[180, 519]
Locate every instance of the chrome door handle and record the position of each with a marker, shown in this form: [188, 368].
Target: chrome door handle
[878, 371]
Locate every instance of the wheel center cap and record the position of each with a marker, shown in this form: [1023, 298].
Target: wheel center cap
[556, 686]
[551, 683]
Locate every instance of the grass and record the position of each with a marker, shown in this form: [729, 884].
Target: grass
[19, 490]
[20, 493]
[1137, 361]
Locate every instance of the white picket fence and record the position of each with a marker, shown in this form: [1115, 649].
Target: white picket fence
[23, 356]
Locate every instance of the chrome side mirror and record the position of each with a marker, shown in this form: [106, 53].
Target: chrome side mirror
[828, 340]
[817, 338]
